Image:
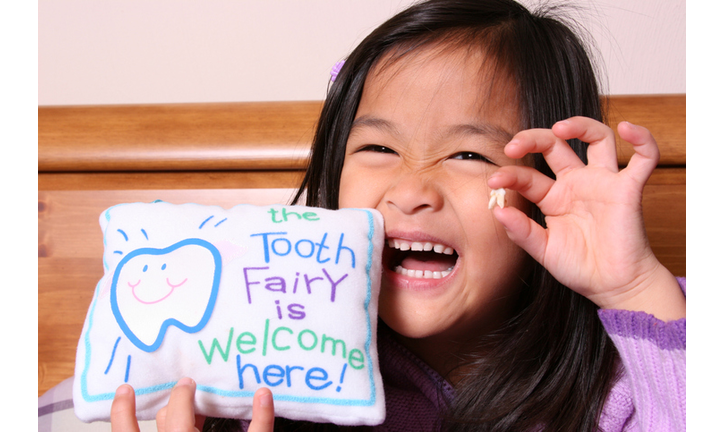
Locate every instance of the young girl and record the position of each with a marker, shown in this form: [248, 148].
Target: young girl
[551, 313]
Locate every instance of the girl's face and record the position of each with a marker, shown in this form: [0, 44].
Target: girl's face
[426, 137]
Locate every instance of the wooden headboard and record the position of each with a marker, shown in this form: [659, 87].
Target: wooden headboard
[93, 157]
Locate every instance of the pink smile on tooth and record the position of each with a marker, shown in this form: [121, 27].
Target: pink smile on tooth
[168, 282]
[177, 285]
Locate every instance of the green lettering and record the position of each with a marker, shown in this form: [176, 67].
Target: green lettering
[216, 345]
[326, 338]
[274, 214]
[242, 341]
[356, 359]
[274, 338]
[299, 340]
[311, 216]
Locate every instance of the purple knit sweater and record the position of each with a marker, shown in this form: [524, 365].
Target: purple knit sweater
[651, 395]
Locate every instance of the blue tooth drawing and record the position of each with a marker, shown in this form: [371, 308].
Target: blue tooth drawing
[151, 290]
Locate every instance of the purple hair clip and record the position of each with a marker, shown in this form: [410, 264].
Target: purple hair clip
[335, 70]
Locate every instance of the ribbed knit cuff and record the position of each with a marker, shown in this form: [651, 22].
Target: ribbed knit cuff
[640, 325]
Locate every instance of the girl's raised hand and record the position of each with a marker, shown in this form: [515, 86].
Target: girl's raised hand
[595, 242]
[179, 414]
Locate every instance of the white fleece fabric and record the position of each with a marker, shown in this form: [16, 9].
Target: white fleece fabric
[283, 297]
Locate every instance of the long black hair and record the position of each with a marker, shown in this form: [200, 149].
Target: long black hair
[552, 364]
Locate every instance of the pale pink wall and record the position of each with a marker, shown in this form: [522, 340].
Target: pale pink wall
[156, 51]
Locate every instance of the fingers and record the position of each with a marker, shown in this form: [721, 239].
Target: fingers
[646, 155]
[557, 153]
[523, 231]
[601, 139]
[161, 419]
[262, 415]
[527, 181]
[533, 186]
[123, 410]
[179, 414]
[551, 143]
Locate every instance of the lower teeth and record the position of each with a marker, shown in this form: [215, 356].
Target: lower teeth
[422, 274]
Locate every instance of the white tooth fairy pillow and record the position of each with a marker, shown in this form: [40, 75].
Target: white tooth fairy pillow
[283, 297]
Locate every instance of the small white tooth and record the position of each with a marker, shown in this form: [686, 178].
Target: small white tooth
[398, 269]
[445, 273]
[428, 274]
[428, 247]
[439, 248]
[448, 251]
[404, 246]
[390, 243]
[497, 196]
[436, 275]
[419, 273]
[416, 246]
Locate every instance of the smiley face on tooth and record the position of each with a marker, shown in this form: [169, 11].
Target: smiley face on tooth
[152, 290]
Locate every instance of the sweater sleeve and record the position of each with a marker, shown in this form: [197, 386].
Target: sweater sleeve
[653, 355]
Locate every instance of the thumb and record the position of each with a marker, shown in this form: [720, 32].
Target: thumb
[262, 414]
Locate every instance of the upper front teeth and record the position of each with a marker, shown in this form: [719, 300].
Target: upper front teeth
[420, 246]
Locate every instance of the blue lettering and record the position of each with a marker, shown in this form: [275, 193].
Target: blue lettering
[276, 372]
[340, 247]
[319, 251]
[265, 237]
[317, 374]
[240, 371]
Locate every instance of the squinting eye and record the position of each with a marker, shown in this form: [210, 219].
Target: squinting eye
[471, 156]
[377, 149]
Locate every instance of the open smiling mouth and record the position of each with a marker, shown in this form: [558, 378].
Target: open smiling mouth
[422, 260]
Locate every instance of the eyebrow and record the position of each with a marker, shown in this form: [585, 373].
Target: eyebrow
[376, 123]
[494, 132]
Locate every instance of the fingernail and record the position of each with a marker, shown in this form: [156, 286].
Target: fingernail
[124, 390]
[186, 382]
[266, 400]
[493, 182]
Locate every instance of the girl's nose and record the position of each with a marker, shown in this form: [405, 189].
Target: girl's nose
[414, 193]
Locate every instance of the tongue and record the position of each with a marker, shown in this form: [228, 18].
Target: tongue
[428, 261]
